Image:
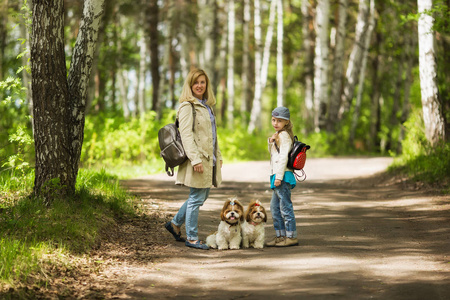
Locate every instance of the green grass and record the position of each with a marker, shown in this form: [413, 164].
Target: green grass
[33, 233]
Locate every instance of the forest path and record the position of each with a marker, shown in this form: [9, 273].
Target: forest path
[361, 237]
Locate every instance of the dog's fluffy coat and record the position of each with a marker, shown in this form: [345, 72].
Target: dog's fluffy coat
[228, 235]
[253, 232]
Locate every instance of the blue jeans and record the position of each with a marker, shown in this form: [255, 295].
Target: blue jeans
[283, 211]
[188, 212]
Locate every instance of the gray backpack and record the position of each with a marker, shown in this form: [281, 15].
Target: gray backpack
[170, 144]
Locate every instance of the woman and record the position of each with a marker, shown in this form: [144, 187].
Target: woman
[203, 168]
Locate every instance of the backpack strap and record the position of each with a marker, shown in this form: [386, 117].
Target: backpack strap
[194, 114]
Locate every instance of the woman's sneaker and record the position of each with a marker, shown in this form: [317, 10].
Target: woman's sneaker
[275, 240]
[287, 242]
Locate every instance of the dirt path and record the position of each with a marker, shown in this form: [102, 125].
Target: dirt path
[361, 237]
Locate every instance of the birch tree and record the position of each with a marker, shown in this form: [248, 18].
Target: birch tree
[308, 59]
[255, 116]
[321, 62]
[354, 64]
[230, 69]
[59, 101]
[245, 57]
[432, 113]
[280, 88]
[362, 74]
[152, 23]
[336, 83]
[267, 45]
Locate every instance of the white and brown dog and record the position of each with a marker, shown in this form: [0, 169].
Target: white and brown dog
[253, 232]
[228, 235]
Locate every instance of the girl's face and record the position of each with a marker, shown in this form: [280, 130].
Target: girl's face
[278, 124]
[199, 87]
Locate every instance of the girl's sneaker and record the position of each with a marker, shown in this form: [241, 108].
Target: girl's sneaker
[275, 240]
[287, 242]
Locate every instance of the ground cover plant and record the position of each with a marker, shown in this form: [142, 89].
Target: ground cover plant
[38, 238]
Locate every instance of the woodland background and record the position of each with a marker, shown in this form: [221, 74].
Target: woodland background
[348, 70]
[85, 86]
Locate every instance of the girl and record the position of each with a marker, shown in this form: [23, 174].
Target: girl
[282, 180]
[203, 168]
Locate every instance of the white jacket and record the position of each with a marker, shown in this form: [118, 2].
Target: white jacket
[278, 161]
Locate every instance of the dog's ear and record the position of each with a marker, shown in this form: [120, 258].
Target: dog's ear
[265, 214]
[224, 209]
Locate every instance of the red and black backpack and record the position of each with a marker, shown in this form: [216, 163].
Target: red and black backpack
[297, 158]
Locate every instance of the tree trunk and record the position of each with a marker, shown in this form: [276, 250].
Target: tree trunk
[230, 71]
[432, 112]
[59, 102]
[245, 59]
[255, 116]
[152, 19]
[280, 34]
[362, 74]
[267, 44]
[321, 63]
[308, 46]
[354, 64]
[336, 89]
[142, 69]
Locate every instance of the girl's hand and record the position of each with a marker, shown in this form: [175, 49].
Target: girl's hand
[274, 137]
[198, 168]
[277, 182]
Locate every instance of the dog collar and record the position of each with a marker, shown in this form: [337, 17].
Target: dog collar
[254, 223]
[232, 224]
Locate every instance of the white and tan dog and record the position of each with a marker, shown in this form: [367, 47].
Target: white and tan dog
[228, 235]
[253, 232]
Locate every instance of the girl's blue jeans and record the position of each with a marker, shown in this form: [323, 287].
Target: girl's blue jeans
[188, 212]
[283, 211]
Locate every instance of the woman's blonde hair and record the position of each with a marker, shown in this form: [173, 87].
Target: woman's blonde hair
[186, 93]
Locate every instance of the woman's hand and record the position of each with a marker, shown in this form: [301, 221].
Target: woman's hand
[198, 168]
[277, 182]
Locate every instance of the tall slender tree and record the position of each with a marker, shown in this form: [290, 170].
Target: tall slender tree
[338, 67]
[152, 21]
[59, 101]
[246, 18]
[230, 69]
[355, 60]
[431, 106]
[280, 35]
[321, 62]
[255, 116]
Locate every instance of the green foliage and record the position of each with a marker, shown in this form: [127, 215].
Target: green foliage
[419, 160]
[31, 230]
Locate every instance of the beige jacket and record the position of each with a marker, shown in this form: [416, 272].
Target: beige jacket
[199, 148]
[278, 161]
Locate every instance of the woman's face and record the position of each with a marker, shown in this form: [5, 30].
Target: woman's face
[199, 87]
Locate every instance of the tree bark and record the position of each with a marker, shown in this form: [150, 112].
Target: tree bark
[245, 59]
[267, 44]
[152, 19]
[431, 106]
[255, 116]
[354, 64]
[308, 63]
[230, 71]
[336, 89]
[321, 63]
[280, 34]
[362, 73]
[60, 101]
